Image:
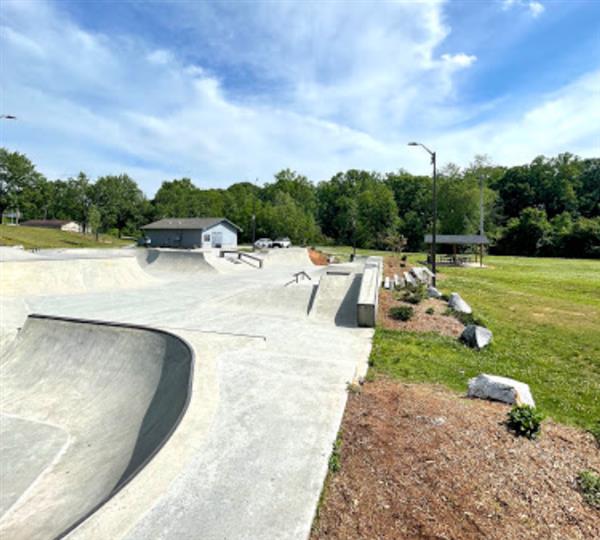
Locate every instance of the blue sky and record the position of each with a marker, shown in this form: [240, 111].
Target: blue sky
[229, 91]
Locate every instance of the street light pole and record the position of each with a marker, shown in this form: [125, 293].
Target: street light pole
[434, 204]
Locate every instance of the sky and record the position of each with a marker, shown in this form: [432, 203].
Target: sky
[222, 92]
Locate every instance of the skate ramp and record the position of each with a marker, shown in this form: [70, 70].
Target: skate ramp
[41, 277]
[294, 256]
[84, 406]
[336, 296]
[15, 254]
[177, 263]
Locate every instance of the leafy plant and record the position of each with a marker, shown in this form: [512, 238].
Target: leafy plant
[525, 421]
[353, 388]
[589, 484]
[335, 460]
[430, 311]
[414, 294]
[401, 313]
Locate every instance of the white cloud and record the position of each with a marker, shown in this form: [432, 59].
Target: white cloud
[534, 7]
[459, 60]
[160, 57]
[350, 89]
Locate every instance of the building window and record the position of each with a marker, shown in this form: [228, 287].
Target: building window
[207, 237]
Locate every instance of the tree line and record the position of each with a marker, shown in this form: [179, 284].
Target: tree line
[549, 207]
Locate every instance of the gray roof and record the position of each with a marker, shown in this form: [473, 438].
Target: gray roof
[458, 239]
[188, 223]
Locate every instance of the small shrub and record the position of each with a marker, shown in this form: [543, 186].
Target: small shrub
[335, 459]
[589, 484]
[525, 421]
[353, 388]
[430, 311]
[401, 313]
[414, 294]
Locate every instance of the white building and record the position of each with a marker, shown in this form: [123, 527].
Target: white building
[61, 224]
[213, 232]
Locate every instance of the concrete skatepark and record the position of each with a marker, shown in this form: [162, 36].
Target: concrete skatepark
[168, 394]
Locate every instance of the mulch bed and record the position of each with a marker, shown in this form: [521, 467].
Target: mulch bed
[420, 462]
[318, 257]
[421, 321]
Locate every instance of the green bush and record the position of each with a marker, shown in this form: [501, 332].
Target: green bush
[430, 311]
[589, 484]
[525, 421]
[414, 294]
[401, 313]
[335, 460]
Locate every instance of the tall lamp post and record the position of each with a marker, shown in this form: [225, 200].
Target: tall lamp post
[434, 225]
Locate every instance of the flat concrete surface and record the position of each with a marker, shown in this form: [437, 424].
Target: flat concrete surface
[247, 459]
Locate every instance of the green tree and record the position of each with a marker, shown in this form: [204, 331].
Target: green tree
[22, 187]
[121, 203]
[412, 195]
[528, 234]
[94, 219]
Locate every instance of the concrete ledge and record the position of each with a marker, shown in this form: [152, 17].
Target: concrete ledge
[368, 296]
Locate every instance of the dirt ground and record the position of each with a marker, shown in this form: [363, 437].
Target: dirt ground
[317, 257]
[420, 462]
[421, 321]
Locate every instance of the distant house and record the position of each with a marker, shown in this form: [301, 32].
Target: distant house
[215, 232]
[63, 225]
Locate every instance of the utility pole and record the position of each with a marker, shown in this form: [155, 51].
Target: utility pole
[481, 204]
[434, 203]
[254, 219]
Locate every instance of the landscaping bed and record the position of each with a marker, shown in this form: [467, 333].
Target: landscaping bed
[420, 461]
[421, 321]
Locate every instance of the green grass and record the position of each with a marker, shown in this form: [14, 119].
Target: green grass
[343, 252]
[545, 316]
[35, 237]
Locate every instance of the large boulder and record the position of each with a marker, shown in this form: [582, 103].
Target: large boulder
[432, 292]
[500, 389]
[458, 304]
[422, 274]
[410, 280]
[476, 337]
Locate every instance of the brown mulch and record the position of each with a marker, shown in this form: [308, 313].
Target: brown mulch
[421, 321]
[420, 462]
[318, 257]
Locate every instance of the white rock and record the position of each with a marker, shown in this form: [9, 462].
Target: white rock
[475, 336]
[500, 389]
[409, 279]
[387, 284]
[432, 292]
[422, 274]
[458, 304]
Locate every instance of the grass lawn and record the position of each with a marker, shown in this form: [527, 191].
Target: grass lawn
[545, 316]
[35, 237]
